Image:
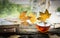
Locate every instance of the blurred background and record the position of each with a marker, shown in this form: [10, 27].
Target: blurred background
[10, 11]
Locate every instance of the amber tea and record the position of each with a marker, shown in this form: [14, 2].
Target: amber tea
[43, 29]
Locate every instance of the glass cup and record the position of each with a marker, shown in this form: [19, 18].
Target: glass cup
[43, 27]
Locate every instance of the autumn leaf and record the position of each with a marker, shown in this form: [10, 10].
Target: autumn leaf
[23, 17]
[44, 16]
[32, 17]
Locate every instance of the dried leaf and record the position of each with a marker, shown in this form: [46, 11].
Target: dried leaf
[23, 17]
[33, 17]
[44, 16]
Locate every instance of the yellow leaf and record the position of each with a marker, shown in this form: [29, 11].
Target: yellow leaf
[23, 17]
[33, 17]
[44, 16]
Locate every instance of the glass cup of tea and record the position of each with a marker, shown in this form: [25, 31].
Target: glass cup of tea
[43, 27]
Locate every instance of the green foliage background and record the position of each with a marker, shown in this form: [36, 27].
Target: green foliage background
[58, 9]
[10, 9]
